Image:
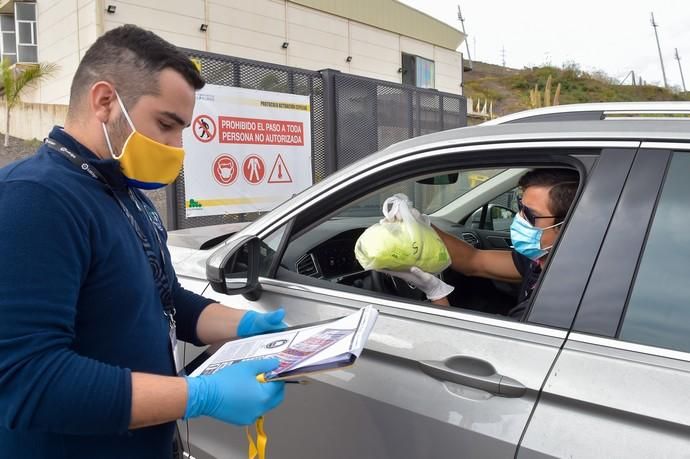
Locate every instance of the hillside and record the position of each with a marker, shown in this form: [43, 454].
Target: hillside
[509, 88]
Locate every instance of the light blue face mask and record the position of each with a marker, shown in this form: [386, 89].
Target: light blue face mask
[527, 238]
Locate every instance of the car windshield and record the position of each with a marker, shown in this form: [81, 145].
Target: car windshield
[428, 194]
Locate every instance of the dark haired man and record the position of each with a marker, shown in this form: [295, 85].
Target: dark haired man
[90, 304]
[546, 197]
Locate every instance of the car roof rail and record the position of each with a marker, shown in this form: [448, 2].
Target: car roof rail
[599, 111]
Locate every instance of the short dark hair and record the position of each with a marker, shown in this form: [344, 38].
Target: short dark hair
[563, 183]
[130, 58]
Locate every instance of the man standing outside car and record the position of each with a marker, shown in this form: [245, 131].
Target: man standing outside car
[547, 194]
[90, 306]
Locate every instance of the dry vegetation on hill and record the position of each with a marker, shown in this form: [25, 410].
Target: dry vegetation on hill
[509, 88]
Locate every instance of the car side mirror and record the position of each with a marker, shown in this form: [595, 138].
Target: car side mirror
[234, 269]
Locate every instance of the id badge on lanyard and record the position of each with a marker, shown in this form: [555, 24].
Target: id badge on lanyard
[177, 358]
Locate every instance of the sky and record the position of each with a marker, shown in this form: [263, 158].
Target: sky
[613, 36]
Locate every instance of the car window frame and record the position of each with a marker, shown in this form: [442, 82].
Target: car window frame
[615, 341]
[555, 302]
[603, 305]
[280, 248]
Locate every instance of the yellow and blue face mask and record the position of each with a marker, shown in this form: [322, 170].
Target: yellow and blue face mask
[145, 163]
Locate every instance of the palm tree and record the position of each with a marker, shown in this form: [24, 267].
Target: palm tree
[15, 79]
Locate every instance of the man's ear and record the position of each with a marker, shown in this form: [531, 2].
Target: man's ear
[102, 100]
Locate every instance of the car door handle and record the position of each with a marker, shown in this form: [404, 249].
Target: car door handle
[472, 372]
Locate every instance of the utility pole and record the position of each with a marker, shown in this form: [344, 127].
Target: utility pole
[663, 71]
[681, 70]
[503, 56]
[467, 44]
[634, 82]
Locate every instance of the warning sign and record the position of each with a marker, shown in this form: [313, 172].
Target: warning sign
[247, 150]
[254, 169]
[279, 172]
[225, 170]
[204, 128]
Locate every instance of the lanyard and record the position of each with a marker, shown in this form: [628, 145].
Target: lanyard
[158, 269]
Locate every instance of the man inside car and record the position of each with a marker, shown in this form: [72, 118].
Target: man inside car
[546, 197]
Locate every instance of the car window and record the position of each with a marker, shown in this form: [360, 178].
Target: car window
[325, 249]
[429, 194]
[657, 313]
[269, 247]
[499, 212]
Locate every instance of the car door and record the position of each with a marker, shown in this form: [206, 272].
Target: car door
[432, 381]
[619, 388]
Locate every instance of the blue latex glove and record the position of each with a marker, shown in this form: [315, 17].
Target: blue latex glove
[255, 323]
[233, 394]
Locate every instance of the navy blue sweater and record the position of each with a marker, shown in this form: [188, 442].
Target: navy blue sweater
[79, 311]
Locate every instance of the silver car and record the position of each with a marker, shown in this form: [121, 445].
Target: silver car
[599, 367]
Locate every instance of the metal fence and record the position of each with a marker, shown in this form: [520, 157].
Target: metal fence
[351, 117]
[372, 114]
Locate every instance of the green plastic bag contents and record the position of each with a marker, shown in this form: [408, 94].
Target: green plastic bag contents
[402, 239]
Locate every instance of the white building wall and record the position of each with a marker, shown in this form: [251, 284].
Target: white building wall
[317, 40]
[66, 28]
[448, 70]
[418, 48]
[33, 121]
[252, 30]
[177, 21]
[375, 53]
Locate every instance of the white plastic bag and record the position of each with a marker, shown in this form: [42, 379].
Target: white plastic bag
[402, 239]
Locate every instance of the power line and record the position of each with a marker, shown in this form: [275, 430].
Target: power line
[663, 71]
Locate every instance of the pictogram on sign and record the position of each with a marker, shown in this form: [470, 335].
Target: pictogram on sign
[279, 172]
[204, 128]
[225, 170]
[254, 169]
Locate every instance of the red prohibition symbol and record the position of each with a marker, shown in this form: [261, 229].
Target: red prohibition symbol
[225, 170]
[204, 128]
[254, 169]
